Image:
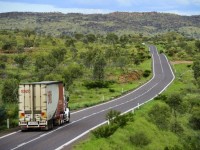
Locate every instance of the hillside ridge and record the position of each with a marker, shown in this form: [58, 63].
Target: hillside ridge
[147, 23]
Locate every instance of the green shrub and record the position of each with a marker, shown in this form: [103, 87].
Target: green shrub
[13, 123]
[161, 97]
[194, 120]
[111, 90]
[10, 90]
[111, 115]
[139, 139]
[121, 121]
[96, 84]
[105, 131]
[146, 73]
[160, 115]
[2, 114]
[2, 65]
[192, 142]
[114, 117]
[176, 127]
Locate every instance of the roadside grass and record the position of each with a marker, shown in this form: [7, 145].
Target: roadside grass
[159, 139]
[81, 97]
[121, 138]
[184, 79]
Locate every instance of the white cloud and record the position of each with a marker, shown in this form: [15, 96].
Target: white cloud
[106, 6]
[183, 13]
[24, 7]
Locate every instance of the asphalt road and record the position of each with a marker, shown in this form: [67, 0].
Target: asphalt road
[87, 119]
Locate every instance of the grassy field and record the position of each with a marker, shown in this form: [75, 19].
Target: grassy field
[158, 139]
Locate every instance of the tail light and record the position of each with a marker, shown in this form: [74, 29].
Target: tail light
[43, 115]
[21, 115]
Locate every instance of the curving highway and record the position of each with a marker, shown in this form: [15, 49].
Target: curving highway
[87, 119]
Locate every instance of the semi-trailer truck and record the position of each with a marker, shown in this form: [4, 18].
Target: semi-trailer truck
[42, 105]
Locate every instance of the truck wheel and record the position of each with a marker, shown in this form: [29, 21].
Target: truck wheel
[59, 122]
[68, 120]
[24, 129]
[50, 124]
[46, 128]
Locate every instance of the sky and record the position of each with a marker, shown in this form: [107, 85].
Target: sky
[181, 7]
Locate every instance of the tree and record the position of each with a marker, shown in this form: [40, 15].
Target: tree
[28, 43]
[20, 49]
[10, 90]
[20, 60]
[91, 38]
[43, 61]
[88, 57]
[59, 54]
[53, 77]
[70, 73]
[99, 67]
[2, 114]
[195, 118]
[109, 53]
[78, 36]
[9, 45]
[4, 58]
[74, 51]
[198, 82]
[112, 38]
[196, 68]
[69, 42]
[197, 44]
[176, 127]
[122, 61]
[28, 32]
[2, 65]
[44, 65]
[140, 139]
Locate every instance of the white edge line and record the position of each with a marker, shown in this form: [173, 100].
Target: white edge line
[123, 95]
[9, 134]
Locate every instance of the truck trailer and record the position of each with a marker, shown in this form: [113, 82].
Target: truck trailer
[42, 105]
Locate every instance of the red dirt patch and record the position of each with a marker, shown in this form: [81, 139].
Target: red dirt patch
[132, 76]
[181, 62]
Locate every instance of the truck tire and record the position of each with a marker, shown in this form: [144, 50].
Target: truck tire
[68, 118]
[24, 129]
[46, 128]
[59, 122]
[51, 124]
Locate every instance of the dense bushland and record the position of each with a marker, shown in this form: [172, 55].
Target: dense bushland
[91, 66]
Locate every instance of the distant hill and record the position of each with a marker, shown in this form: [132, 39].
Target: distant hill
[148, 23]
